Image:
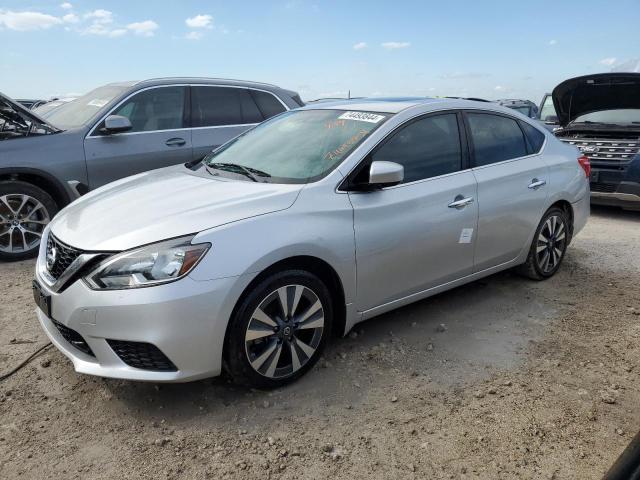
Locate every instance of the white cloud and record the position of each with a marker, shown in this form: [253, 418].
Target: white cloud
[200, 21]
[395, 45]
[553, 42]
[193, 35]
[360, 46]
[70, 18]
[100, 16]
[24, 21]
[463, 75]
[66, 6]
[146, 28]
[608, 61]
[499, 88]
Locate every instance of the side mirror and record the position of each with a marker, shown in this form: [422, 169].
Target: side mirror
[116, 124]
[385, 174]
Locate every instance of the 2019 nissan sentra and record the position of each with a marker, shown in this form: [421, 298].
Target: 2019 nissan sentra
[311, 222]
[112, 132]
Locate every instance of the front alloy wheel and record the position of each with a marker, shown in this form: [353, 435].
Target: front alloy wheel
[278, 330]
[284, 331]
[25, 211]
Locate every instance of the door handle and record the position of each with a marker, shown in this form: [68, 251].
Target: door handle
[536, 184]
[175, 142]
[460, 202]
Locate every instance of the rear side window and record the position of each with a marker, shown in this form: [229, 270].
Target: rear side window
[219, 106]
[425, 148]
[495, 138]
[159, 108]
[267, 103]
[535, 138]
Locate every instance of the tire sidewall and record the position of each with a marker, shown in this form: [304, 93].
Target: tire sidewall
[24, 188]
[550, 213]
[234, 357]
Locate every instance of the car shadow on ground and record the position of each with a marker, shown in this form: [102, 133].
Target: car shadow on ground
[451, 338]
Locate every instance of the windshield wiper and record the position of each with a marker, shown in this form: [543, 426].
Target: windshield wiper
[236, 168]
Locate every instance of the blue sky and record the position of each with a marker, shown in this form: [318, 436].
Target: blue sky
[490, 49]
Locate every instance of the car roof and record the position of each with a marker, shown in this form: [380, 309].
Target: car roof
[197, 80]
[398, 104]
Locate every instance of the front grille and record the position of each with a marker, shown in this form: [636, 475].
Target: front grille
[603, 187]
[59, 256]
[74, 338]
[142, 355]
[606, 152]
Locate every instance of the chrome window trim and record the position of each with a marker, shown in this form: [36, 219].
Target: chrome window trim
[119, 104]
[439, 111]
[442, 111]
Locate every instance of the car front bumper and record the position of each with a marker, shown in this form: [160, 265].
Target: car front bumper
[185, 320]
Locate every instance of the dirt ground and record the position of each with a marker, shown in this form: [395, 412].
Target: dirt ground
[502, 378]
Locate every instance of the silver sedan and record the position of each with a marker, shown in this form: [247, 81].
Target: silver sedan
[300, 228]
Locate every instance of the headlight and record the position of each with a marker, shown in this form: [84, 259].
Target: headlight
[146, 266]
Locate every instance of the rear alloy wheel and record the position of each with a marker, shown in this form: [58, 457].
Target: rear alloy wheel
[549, 245]
[25, 211]
[279, 331]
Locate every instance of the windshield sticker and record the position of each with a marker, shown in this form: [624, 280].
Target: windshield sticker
[98, 102]
[362, 117]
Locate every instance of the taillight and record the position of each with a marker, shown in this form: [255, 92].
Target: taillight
[585, 164]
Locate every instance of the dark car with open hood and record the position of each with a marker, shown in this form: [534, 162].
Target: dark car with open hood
[600, 114]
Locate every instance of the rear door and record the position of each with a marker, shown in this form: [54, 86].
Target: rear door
[220, 113]
[412, 236]
[159, 136]
[512, 186]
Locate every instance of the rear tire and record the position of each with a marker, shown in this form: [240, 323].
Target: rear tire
[279, 330]
[25, 210]
[549, 245]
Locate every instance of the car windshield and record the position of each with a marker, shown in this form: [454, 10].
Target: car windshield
[619, 116]
[295, 147]
[80, 111]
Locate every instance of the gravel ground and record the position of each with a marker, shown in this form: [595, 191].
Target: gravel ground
[501, 378]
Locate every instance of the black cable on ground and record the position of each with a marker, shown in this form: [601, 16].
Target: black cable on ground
[25, 362]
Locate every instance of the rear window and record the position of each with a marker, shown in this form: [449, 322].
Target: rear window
[267, 103]
[220, 106]
[495, 138]
[535, 138]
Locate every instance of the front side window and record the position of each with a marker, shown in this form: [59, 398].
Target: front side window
[425, 148]
[155, 109]
[295, 147]
[495, 138]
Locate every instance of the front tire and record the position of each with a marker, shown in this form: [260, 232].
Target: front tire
[549, 245]
[278, 330]
[25, 211]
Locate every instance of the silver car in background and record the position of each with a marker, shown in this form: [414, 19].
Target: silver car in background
[311, 222]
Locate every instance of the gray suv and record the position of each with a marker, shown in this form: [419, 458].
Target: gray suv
[112, 132]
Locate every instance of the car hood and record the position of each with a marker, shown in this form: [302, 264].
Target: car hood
[163, 204]
[13, 111]
[592, 93]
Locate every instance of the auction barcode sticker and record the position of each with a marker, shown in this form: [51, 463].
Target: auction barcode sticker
[362, 117]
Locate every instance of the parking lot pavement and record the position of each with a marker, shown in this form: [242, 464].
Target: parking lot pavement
[500, 378]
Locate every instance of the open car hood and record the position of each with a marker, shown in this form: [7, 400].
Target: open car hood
[593, 93]
[12, 111]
